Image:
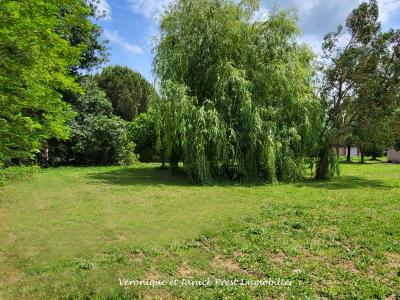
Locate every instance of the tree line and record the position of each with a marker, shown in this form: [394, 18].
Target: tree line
[49, 103]
[237, 97]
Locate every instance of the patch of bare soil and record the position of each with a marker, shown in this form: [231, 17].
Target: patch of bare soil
[221, 262]
[153, 274]
[186, 271]
[136, 257]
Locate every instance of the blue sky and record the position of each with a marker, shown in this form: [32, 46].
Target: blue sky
[130, 25]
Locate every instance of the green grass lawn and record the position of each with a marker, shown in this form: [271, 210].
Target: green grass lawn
[72, 233]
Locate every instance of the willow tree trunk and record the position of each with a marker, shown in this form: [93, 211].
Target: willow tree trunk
[174, 161]
[348, 153]
[323, 164]
[162, 161]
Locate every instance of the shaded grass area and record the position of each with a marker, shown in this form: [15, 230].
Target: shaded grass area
[72, 233]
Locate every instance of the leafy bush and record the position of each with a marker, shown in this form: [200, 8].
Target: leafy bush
[375, 150]
[98, 137]
[142, 132]
[103, 140]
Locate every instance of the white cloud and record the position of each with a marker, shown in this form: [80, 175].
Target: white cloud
[316, 17]
[104, 10]
[114, 37]
[151, 9]
[261, 14]
[388, 9]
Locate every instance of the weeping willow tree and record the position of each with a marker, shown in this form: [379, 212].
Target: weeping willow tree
[236, 97]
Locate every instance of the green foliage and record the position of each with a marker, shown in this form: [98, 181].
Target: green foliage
[142, 132]
[375, 150]
[236, 94]
[35, 60]
[95, 52]
[327, 165]
[361, 80]
[394, 125]
[92, 101]
[128, 91]
[98, 137]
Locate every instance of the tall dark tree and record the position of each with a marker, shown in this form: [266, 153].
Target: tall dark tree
[361, 80]
[128, 91]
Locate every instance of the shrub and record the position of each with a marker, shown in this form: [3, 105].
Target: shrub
[98, 137]
[375, 150]
[142, 132]
[103, 140]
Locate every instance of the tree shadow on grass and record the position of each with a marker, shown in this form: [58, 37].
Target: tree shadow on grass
[345, 182]
[154, 176]
[141, 176]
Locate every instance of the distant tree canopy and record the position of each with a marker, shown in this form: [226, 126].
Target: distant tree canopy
[42, 44]
[237, 99]
[128, 91]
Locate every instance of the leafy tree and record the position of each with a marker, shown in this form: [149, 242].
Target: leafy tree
[95, 52]
[375, 150]
[128, 91]
[236, 97]
[361, 80]
[98, 137]
[36, 56]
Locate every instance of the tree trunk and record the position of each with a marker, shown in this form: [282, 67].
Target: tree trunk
[337, 151]
[362, 152]
[323, 165]
[45, 156]
[163, 163]
[163, 159]
[348, 159]
[174, 161]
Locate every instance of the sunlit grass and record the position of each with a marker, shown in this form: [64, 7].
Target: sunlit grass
[72, 232]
